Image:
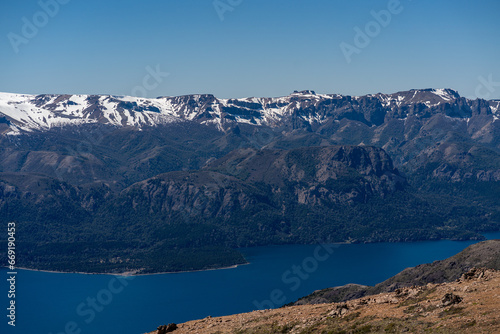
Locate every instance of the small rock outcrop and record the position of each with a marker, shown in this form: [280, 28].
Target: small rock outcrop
[450, 299]
[474, 273]
[166, 328]
[339, 310]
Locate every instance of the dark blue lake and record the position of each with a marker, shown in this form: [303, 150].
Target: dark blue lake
[75, 303]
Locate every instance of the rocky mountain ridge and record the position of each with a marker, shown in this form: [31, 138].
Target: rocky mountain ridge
[420, 129]
[306, 109]
[249, 197]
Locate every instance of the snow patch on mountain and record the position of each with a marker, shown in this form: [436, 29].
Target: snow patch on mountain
[22, 112]
[444, 94]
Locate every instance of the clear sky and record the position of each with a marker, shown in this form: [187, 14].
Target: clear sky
[240, 48]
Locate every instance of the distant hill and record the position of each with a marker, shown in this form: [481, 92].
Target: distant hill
[189, 220]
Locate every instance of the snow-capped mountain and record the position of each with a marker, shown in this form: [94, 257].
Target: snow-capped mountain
[25, 113]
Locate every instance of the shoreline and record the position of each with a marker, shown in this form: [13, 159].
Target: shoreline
[130, 273]
[133, 273]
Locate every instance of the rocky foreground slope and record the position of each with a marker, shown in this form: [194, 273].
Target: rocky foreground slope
[449, 296]
[485, 254]
[469, 305]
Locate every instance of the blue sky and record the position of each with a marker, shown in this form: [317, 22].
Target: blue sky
[259, 48]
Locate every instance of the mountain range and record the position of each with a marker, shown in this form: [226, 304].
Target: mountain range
[304, 109]
[102, 183]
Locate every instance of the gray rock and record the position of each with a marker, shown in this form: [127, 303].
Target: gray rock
[450, 299]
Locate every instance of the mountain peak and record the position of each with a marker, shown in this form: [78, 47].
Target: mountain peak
[304, 92]
[444, 93]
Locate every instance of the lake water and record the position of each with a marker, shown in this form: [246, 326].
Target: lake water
[74, 303]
